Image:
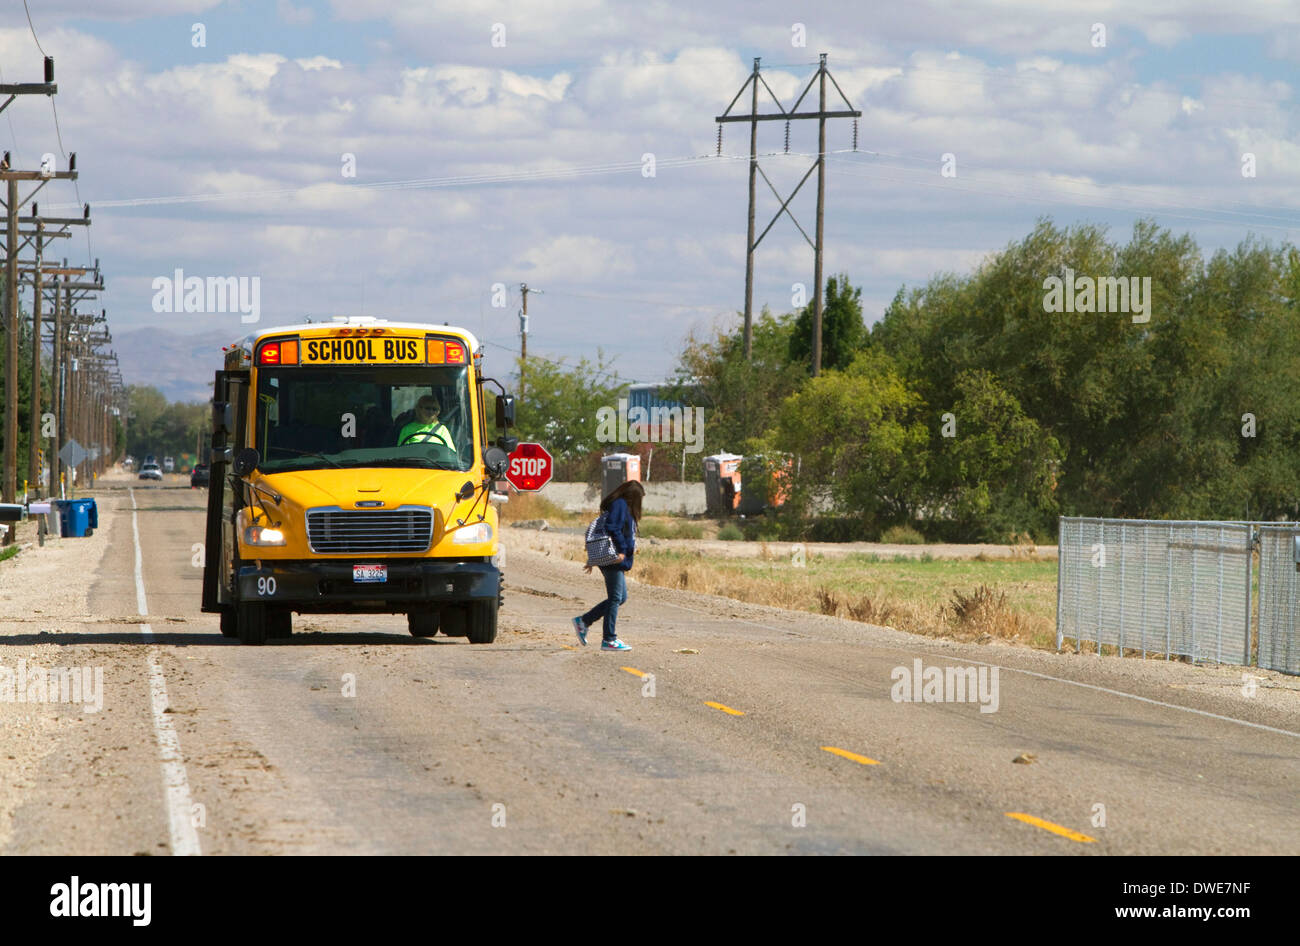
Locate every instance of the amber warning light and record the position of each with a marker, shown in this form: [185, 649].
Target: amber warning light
[278, 353]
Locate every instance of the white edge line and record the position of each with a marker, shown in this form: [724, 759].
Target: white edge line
[140, 603]
[176, 784]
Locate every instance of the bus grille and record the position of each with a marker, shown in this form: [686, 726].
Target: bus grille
[370, 531]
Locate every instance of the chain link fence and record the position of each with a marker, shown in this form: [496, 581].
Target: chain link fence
[1279, 585]
[1172, 588]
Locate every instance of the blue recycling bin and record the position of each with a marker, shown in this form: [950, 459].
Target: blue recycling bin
[78, 518]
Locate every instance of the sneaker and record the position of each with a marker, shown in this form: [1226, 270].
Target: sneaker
[615, 644]
[581, 630]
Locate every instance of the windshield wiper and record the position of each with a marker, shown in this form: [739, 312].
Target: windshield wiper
[305, 453]
[420, 462]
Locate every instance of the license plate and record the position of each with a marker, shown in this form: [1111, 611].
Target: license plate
[365, 573]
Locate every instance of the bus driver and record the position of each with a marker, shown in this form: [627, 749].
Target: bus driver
[425, 427]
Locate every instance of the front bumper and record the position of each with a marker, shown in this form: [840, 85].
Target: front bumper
[327, 586]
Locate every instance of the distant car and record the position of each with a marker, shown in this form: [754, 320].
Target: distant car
[199, 477]
[150, 471]
[169, 465]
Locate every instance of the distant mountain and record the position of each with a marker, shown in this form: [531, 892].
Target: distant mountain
[181, 366]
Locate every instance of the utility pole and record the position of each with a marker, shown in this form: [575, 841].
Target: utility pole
[523, 334]
[9, 487]
[793, 114]
[34, 430]
[11, 342]
[749, 239]
[821, 215]
[39, 271]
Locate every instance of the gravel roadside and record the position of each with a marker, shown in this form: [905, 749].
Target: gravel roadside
[43, 592]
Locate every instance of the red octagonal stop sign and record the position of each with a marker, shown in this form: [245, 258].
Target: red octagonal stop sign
[530, 467]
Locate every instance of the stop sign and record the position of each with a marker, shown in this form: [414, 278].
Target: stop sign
[530, 467]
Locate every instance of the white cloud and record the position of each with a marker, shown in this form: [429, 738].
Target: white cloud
[1039, 121]
[578, 259]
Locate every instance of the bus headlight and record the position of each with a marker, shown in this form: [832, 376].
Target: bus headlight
[476, 534]
[263, 535]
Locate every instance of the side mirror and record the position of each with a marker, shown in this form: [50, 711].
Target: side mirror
[246, 461]
[508, 444]
[505, 410]
[465, 492]
[496, 461]
[223, 423]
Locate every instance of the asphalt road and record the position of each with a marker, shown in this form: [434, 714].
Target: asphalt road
[778, 734]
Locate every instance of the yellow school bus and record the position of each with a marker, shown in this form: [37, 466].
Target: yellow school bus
[352, 473]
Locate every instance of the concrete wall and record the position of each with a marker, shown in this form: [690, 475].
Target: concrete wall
[666, 498]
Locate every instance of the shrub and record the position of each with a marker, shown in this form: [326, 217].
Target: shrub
[902, 535]
[836, 529]
[729, 533]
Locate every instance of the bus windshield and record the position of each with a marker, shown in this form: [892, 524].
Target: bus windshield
[364, 416]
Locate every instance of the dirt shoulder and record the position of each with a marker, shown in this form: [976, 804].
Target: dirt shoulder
[43, 592]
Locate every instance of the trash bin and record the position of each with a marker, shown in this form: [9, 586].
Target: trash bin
[78, 518]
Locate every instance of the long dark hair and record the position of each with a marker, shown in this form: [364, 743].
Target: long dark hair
[631, 493]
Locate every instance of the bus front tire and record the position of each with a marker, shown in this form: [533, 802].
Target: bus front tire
[279, 623]
[482, 621]
[422, 623]
[251, 623]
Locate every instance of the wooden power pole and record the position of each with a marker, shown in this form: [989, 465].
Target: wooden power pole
[524, 290]
[821, 76]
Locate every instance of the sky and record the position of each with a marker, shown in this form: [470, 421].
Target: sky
[496, 144]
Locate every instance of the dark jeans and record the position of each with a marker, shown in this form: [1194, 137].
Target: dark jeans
[616, 589]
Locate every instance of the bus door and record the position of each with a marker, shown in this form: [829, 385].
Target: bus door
[229, 413]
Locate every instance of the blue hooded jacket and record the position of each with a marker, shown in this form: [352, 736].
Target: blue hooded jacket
[622, 530]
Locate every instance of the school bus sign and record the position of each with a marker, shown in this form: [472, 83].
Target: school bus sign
[530, 467]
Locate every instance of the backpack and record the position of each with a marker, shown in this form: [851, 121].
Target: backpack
[600, 547]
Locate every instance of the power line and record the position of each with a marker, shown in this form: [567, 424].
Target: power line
[32, 27]
[666, 305]
[464, 180]
[974, 76]
[58, 132]
[561, 364]
[1156, 207]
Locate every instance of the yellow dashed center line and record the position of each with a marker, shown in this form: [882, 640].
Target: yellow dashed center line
[726, 709]
[634, 672]
[1048, 826]
[850, 755]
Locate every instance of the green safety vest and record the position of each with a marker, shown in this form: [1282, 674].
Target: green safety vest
[438, 430]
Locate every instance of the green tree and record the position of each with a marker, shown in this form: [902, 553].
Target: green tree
[740, 398]
[559, 410]
[843, 332]
[858, 440]
[159, 427]
[994, 469]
